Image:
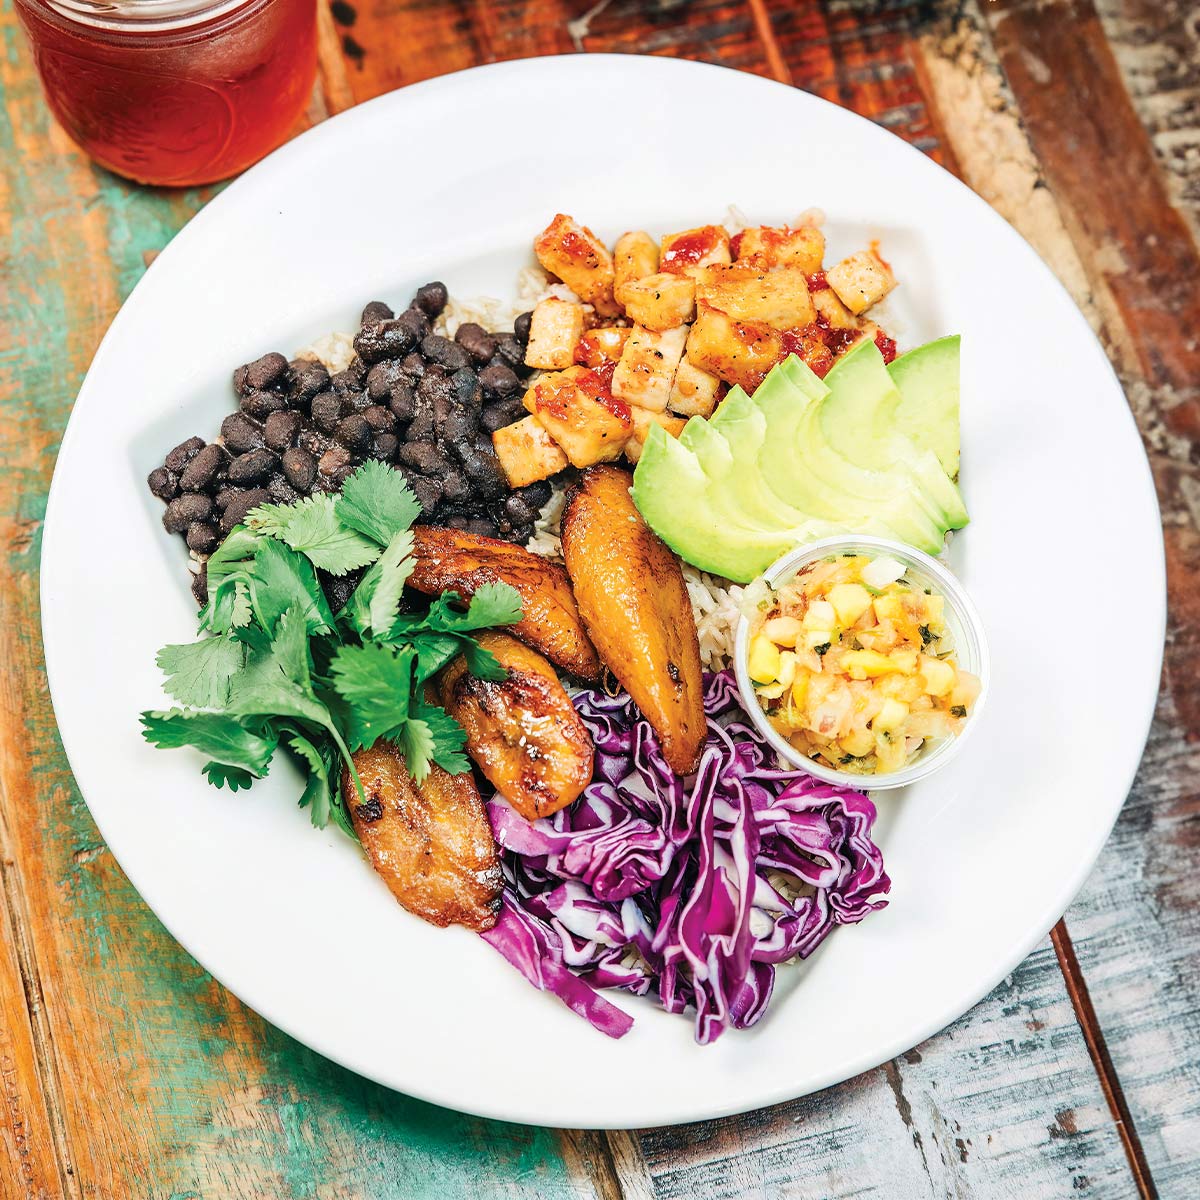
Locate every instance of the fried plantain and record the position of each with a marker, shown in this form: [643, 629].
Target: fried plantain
[431, 842]
[635, 606]
[452, 560]
[523, 732]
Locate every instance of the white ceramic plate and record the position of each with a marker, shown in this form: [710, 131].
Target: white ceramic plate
[985, 855]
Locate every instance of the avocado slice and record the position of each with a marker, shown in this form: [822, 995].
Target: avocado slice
[928, 381]
[859, 418]
[696, 519]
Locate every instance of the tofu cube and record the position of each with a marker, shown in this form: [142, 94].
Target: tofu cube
[635, 257]
[689, 252]
[646, 371]
[739, 352]
[836, 314]
[554, 330]
[527, 452]
[693, 391]
[602, 344]
[778, 298]
[660, 301]
[582, 416]
[861, 280]
[580, 259]
[643, 419]
[770, 246]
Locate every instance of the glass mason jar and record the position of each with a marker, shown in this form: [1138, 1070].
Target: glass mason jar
[174, 92]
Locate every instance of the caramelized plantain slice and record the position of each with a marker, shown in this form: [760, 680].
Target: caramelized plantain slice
[431, 842]
[451, 560]
[524, 732]
[635, 606]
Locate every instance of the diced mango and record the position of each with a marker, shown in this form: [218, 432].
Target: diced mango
[939, 675]
[850, 601]
[783, 631]
[762, 662]
[890, 717]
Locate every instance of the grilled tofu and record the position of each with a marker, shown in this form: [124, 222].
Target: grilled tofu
[778, 298]
[778, 246]
[554, 331]
[523, 732]
[647, 368]
[739, 352]
[527, 452]
[689, 252]
[635, 257]
[634, 604]
[861, 280]
[431, 842]
[581, 415]
[643, 418]
[453, 560]
[693, 391]
[660, 301]
[580, 259]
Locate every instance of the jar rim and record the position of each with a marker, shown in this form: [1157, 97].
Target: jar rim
[147, 15]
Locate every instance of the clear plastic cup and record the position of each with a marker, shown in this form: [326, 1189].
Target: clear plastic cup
[962, 623]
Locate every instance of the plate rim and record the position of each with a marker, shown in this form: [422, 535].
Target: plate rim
[947, 1011]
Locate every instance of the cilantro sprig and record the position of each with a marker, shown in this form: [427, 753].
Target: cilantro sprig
[278, 668]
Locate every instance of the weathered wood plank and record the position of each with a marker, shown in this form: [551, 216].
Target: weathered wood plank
[169, 1085]
[1004, 1103]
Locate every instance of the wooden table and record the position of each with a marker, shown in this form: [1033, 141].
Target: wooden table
[127, 1071]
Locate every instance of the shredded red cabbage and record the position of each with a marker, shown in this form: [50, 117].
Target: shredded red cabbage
[693, 887]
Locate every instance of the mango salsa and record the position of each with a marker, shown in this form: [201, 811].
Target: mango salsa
[854, 666]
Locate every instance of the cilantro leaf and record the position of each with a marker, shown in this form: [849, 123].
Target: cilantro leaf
[431, 735]
[373, 603]
[198, 674]
[375, 681]
[282, 580]
[377, 502]
[221, 735]
[311, 526]
[222, 775]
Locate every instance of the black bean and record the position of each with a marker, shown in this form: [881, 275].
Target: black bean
[511, 351]
[334, 459]
[354, 432]
[379, 418]
[416, 322]
[383, 339]
[499, 379]
[299, 468]
[444, 352]
[503, 412]
[402, 402]
[200, 585]
[483, 469]
[202, 537]
[375, 310]
[240, 434]
[200, 474]
[183, 454]
[432, 297]
[466, 389]
[182, 511]
[282, 429]
[521, 327]
[308, 377]
[476, 341]
[252, 467]
[260, 405]
[235, 512]
[281, 491]
[422, 456]
[382, 377]
[384, 446]
[413, 366]
[263, 372]
[163, 483]
[312, 440]
[455, 485]
[327, 411]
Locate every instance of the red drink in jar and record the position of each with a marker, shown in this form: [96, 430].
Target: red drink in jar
[174, 92]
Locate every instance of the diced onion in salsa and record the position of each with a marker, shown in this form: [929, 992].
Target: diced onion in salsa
[854, 666]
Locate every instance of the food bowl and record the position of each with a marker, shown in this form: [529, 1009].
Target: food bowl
[962, 623]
